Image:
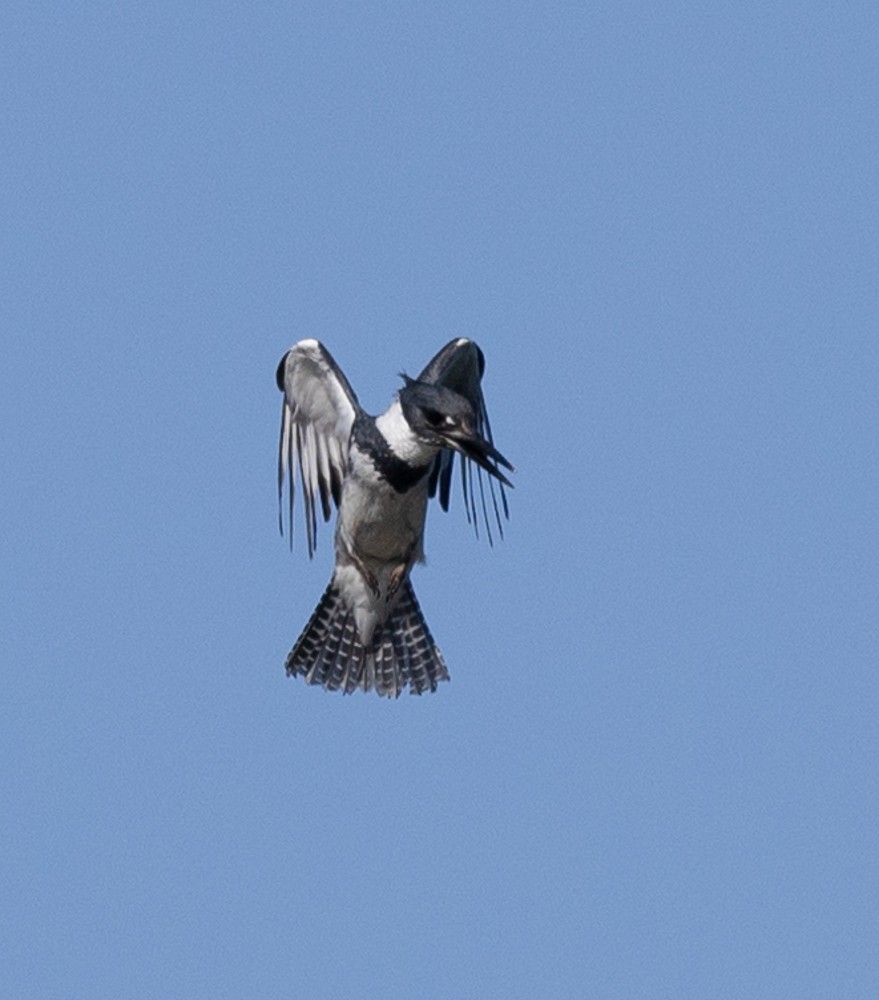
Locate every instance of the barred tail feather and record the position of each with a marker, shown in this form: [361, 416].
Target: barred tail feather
[402, 652]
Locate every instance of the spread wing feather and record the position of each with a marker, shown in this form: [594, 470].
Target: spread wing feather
[316, 417]
[459, 366]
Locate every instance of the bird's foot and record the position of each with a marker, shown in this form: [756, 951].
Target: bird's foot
[367, 574]
[400, 572]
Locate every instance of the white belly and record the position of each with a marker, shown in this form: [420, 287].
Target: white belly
[382, 525]
[380, 530]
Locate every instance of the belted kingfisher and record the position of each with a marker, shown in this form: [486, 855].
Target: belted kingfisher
[368, 631]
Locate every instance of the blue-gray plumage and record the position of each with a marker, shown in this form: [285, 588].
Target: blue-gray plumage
[368, 631]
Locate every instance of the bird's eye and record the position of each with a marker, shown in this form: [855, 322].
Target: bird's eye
[434, 417]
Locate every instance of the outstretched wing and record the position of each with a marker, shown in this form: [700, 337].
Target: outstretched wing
[459, 366]
[316, 416]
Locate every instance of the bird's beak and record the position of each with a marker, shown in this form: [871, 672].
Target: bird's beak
[480, 451]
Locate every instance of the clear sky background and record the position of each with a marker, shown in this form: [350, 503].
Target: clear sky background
[654, 772]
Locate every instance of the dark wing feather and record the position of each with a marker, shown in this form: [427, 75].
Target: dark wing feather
[459, 366]
[316, 417]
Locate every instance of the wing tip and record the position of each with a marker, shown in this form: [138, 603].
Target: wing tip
[280, 371]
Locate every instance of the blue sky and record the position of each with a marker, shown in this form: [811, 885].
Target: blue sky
[653, 774]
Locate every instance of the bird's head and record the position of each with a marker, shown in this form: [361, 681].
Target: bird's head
[446, 419]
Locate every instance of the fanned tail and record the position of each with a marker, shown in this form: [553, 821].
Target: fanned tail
[402, 652]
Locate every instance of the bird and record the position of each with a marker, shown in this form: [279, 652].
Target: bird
[368, 631]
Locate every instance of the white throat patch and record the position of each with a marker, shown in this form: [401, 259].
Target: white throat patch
[404, 443]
